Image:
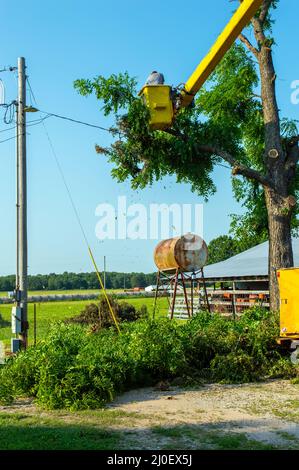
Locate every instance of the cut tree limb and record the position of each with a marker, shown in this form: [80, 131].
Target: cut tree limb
[294, 140]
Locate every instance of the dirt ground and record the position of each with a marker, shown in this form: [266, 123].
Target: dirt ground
[250, 416]
[266, 412]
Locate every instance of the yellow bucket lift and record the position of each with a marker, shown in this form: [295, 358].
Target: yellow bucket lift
[158, 97]
[288, 280]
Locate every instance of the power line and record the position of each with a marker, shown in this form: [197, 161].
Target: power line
[34, 123]
[13, 137]
[48, 115]
[10, 138]
[38, 121]
[76, 121]
[31, 123]
[59, 116]
[9, 113]
[30, 90]
[9, 129]
[65, 117]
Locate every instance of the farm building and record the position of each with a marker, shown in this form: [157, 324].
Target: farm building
[242, 281]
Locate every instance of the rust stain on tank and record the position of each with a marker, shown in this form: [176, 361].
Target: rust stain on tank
[189, 253]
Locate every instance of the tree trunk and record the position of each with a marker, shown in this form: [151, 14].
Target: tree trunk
[280, 241]
[279, 204]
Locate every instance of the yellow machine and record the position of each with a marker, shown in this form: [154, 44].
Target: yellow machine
[288, 280]
[159, 97]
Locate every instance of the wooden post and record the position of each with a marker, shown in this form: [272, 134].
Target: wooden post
[205, 290]
[156, 294]
[105, 272]
[34, 323]
[192, 305]
[234, 301]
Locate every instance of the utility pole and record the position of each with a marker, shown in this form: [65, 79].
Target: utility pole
[17, 206]
[22, 256]
[105, 272]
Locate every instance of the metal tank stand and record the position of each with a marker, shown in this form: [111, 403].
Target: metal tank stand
[170, 280]
[206, 297]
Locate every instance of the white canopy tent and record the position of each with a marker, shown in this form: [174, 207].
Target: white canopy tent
[252, 263]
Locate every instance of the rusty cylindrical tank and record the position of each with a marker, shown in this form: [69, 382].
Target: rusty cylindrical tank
[189, 253]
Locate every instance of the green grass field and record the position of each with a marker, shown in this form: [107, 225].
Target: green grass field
[65, 292]
[49, 312]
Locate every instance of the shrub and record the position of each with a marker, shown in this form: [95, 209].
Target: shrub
[76, 368]
[88, 316]
[3, 323]
[217, 347]
[127, 312]
[234, 368]
[99, 316]
[206, 336]
[282, 368]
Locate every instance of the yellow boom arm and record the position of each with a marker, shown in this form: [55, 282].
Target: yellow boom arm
[158, 97]
[239, 20]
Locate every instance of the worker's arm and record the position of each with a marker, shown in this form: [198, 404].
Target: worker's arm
[239, 20]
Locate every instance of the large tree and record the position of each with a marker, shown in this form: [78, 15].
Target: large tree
[235, 119]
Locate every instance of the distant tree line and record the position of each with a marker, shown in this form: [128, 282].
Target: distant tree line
[67, 280]
[220, 249]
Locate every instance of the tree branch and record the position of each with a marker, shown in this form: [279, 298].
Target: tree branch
[240, 169]
[237, 167]
[264, 10]
[258, 30]
[248, 44]
[176, 134]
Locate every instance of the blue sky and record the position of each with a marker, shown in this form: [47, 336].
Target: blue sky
[69, 39]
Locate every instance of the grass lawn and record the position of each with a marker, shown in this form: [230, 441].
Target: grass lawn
[48, 312]
[111, 430]
[56, 431]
